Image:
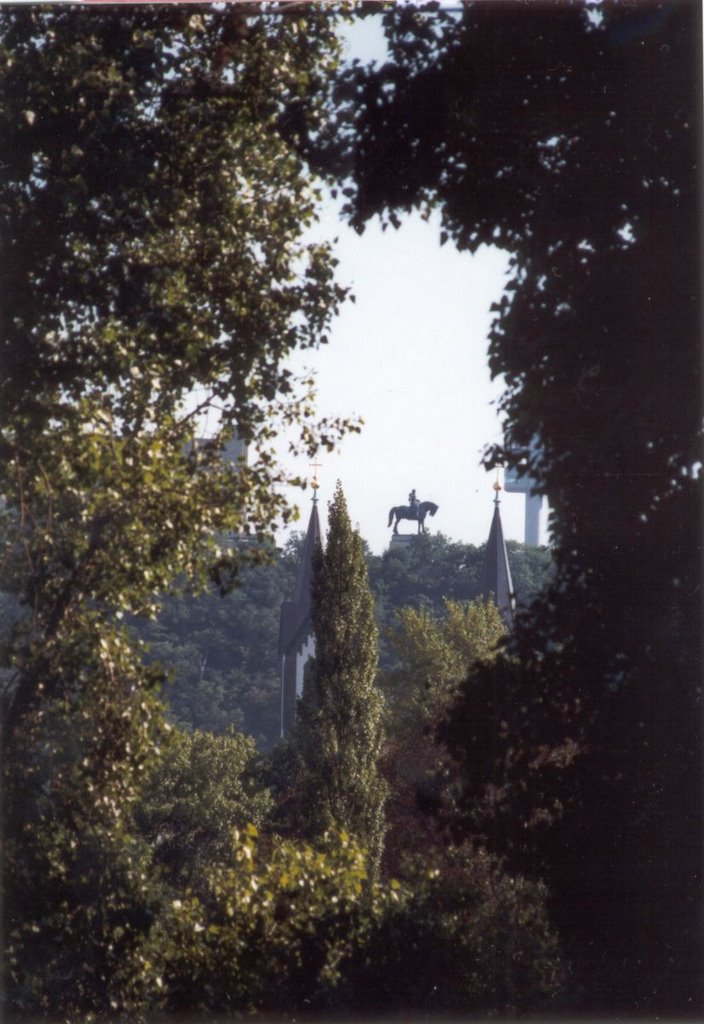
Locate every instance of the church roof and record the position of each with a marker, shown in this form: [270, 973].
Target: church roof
[497, 585]
[295, 614]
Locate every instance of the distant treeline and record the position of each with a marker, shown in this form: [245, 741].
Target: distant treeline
[223, 652]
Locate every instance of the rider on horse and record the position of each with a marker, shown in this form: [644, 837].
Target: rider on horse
[416, 510]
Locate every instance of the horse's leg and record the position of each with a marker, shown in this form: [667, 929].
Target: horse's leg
[396, 525]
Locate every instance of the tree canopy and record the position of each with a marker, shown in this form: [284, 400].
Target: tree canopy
[433, 655]
[340, 731]
[222, 653]
[154, 267]
[202, 788]
[569, 134]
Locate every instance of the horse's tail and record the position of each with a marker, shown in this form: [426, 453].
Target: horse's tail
[391, 516]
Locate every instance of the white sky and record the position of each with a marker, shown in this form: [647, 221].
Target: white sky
[410, 357]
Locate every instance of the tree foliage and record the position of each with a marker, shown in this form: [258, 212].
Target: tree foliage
[569, 135]
[153, 269]
[340, 731]
[78, 891]
[201, 789]
[465, 937]
[221, 653]
[273, 932]
[289, 929]
[146, 256]
[433, 655]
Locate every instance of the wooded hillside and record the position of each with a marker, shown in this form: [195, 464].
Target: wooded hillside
[223, 652]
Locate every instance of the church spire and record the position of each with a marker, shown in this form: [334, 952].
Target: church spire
[497, 585]
[296, 641]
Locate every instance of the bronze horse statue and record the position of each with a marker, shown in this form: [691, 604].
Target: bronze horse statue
[417, 514]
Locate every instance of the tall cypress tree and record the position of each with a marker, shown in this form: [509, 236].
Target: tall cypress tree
[340, 730]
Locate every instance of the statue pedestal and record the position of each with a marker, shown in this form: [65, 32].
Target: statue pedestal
[401, 541]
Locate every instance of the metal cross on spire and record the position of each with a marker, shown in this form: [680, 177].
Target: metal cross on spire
[315, 466]
[497, 488]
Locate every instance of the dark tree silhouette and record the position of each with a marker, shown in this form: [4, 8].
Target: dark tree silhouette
[569, 134]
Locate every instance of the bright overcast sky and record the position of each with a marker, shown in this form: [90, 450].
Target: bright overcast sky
[410, 357]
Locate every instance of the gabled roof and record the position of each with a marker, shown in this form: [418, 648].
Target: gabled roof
[295, 614]
[497, 585]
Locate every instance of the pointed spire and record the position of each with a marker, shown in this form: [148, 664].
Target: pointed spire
[497, 585]
[295, 614]
[296, 641]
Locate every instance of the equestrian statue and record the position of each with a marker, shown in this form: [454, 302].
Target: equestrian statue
[415, 510]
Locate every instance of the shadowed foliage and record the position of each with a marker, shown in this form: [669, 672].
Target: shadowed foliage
[569, 134]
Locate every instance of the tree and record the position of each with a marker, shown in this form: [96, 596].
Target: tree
[79, 891]
[433, 569]
[436, 569]
[569, 135]
[340, 730]
[202, 788]
[433, 656]
[274, 932]
[464, 938]
[222, 654]
[154, 268]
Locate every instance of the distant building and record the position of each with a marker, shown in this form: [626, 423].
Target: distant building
[497, 585]
[234, 450]
[296, 639]
[235, 453]
[516, 484]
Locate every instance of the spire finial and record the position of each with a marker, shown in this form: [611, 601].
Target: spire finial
[315, 466]
[497, 488]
